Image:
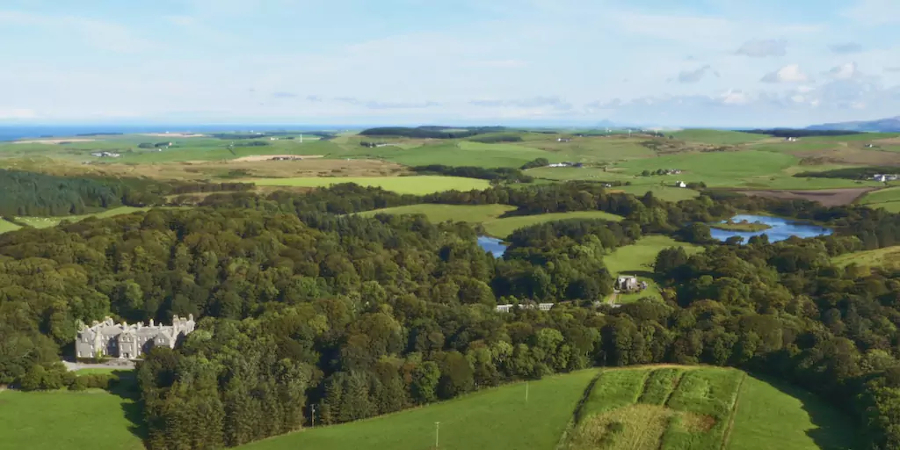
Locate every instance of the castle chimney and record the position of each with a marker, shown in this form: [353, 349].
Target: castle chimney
[191, 317]
[151, 322]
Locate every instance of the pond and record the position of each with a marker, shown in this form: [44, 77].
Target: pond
[493, 245]
[780, 229]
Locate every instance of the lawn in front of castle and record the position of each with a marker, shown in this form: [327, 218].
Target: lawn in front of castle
[64, 420]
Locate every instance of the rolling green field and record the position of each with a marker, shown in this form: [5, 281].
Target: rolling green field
[7, 226]
[676, 407]
[47, 222]
[404, 185]
[638, 259]
[67, 420]
[767, 410]
[667, 193]
[888, 199]
[882, 257]
[501, 228]
[442, 213]
[723, 137]
[496, 419]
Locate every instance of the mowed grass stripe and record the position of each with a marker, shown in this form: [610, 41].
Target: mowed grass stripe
[497, 419]
[501, 228]
[404, 185]
[707, 396]
[660, 385]
[615, 389]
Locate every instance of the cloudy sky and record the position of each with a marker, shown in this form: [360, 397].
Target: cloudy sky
[695, 63]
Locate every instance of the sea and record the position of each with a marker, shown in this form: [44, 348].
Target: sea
[14, 132]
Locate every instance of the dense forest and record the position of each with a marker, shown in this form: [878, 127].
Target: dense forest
[35, 194]
[850, 173]
[497, 175]
[300, 303]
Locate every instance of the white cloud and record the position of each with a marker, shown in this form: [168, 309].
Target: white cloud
[846, 48]
[693, 76]
[787, 74]
[763, 48]
[844, 71]
[735, 97]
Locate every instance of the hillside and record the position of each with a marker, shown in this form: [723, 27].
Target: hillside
[652, 407]
[891, 124]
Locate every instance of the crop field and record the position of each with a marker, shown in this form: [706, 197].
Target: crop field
[404, 185]
[442, 213]
[501, 228]
[722, 137]
[675, 407]
[638, 259]
[882, 257]
[888, 199]
[68, 420]
[497, 419]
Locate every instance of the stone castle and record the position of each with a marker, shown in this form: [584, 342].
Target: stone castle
[124, 341]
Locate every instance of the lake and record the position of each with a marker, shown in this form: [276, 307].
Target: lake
[493, 245]
[780, 230]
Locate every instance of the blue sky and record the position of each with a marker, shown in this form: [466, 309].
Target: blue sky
[724, 63]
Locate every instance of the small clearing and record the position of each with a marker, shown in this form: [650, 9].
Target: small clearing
[888, 257]
[443, 213]
[501, 228]
[827, 197]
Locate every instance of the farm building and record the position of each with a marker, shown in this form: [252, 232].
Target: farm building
[680, 184]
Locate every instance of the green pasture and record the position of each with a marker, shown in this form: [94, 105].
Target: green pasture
[882, 257]
[47, 222]
[443, 213]
[497, 419]
[66, 420]
[667, 193]
[405, 185]
[888, 199]
[774, 415]
[721, 137]
[7, 226]
[501, 228]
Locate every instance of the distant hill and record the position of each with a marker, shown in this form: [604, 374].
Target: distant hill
[890, 125]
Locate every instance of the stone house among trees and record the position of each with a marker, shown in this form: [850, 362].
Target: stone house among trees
[124, 341]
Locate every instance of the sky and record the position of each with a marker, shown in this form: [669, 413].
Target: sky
[716, 63]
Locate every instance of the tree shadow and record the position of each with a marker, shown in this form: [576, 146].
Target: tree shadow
[834, 430]
[126, 388]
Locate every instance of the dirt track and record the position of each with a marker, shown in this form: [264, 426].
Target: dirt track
[257, 158]
[827, 197]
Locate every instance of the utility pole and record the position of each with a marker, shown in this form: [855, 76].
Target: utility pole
[313, 415]
[526, 392]
[437, 434]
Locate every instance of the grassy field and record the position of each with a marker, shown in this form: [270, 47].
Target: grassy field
[767, 410]
[676, 407]
[496, 419]
[68, 420]
[501, 228]
[7, 226]
[47, 222]
[442, 213]
[722, 137]
[882, 257]
[404, 185]
[888, 199]
[638, 258]
[667, 193]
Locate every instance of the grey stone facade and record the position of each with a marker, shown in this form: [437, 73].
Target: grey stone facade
[124, 341]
